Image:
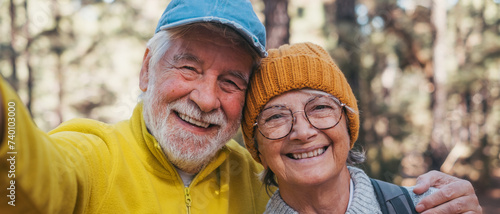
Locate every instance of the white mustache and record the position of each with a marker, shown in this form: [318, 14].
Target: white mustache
[190, 109]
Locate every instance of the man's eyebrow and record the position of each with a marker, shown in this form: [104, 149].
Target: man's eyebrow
[240, 75]
[193, 58]
[186, 56]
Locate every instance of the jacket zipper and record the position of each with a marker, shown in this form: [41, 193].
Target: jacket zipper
[188, 199]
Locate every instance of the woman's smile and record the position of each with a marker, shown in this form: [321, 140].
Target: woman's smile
[306, 154]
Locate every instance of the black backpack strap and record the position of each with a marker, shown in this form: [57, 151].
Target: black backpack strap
[410, 201]
[380, 196]
[392, 198]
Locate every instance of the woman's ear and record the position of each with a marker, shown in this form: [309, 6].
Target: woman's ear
[262, 160]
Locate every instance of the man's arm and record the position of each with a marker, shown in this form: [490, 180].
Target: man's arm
[1, 119]
[38, 172]
[454, 196]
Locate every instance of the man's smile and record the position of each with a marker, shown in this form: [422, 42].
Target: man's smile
[193, 121]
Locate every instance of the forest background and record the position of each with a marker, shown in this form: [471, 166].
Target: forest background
[426, 73]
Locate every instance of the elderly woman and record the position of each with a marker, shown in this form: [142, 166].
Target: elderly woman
[301, 121]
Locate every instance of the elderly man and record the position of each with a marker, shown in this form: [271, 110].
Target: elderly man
[175, 153]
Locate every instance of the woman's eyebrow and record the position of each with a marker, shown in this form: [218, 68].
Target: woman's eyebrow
[274, 106]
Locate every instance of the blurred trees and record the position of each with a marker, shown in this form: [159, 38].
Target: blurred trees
[434, 86]
[277, 22]
[437, 148]
[60, 54]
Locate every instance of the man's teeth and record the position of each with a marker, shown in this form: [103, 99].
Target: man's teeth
[310, 154]
[193, 121]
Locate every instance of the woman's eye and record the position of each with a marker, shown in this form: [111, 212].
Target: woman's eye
[319, 107]
[273, 117]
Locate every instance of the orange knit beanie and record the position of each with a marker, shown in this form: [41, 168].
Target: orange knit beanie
[291, 67]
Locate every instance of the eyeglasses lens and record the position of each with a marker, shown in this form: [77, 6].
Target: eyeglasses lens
[322, 112]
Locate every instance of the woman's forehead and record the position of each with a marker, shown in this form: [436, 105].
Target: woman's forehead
[295, 96]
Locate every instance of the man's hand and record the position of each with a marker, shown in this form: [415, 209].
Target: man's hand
[454, 196]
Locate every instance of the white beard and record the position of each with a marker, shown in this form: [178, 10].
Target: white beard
[185, 150]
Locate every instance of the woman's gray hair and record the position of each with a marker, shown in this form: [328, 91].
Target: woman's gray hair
[354, 156]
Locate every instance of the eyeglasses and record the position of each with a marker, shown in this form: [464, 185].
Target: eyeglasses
[322, 112]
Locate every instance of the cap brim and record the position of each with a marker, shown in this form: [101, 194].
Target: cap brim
[252, 40]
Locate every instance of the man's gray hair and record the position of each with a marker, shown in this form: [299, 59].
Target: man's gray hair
[160, 42]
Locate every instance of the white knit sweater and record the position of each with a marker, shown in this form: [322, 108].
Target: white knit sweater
[363, 201]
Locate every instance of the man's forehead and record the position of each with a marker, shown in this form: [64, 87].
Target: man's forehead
[220, 37]
[217, 34]
[183, 53]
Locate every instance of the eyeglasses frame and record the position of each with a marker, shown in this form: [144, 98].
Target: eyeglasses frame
[342, 105]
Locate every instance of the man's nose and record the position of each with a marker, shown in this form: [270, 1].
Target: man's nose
[205, 95]
[302, 130]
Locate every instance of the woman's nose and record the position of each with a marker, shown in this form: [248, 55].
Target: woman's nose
[302, 130]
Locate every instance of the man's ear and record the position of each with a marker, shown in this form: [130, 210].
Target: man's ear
[144, 75]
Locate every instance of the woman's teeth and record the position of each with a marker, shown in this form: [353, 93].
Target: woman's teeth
[310, 154]
[193, 121]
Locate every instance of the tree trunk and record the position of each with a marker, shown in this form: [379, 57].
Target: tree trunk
[60, 82]
[28, 57]
[14, 81]
[58, 49]
[277, 23]
[437, 145]
[343, 15]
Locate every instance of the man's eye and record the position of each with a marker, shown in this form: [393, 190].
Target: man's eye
[188, 72]
[189, 68]
[229, 85]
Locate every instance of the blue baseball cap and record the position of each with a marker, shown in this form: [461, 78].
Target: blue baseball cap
[237, 14]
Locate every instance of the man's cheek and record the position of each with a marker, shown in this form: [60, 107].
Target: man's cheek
[233, 112]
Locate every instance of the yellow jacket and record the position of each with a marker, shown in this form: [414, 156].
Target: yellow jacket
[85, 166]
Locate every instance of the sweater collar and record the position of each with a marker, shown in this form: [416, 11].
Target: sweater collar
[363, 201]
[156, 159]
